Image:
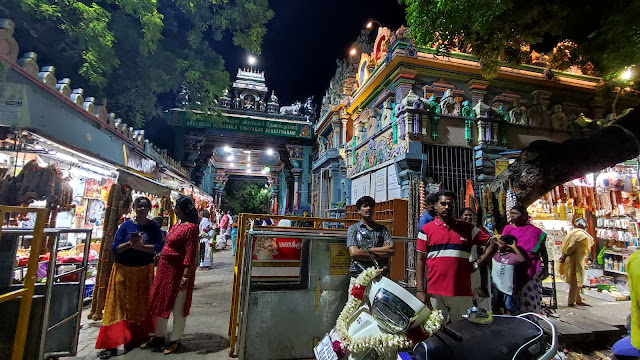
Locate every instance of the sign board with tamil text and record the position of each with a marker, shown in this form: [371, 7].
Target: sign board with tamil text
[244, 124]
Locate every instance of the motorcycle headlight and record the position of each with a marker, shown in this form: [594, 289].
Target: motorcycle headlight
[391, 312]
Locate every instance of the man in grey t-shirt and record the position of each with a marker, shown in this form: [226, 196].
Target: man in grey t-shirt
[367, 234]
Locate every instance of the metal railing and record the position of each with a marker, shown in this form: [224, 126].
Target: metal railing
[26, 293]
[243, 261]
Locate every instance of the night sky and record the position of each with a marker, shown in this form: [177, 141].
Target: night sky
[299, 52]
[304, 39]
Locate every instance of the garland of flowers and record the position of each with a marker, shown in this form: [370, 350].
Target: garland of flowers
[383, 343]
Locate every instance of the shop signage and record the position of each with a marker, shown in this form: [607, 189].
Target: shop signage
[139, 162]
[501, 165]
[277, 249]
[339, 259]
[360, 186]
[394, 190]
[247, 124]
[381, 185]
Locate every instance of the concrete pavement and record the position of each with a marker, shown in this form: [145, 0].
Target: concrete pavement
[207, 325]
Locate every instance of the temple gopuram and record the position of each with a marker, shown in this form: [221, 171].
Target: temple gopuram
[248, 134]
[398, 111]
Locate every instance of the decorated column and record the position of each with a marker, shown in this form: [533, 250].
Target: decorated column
[296, 188]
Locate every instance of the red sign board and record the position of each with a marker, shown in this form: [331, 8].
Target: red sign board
[276, 249]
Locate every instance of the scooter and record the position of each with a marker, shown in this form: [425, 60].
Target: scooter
[391, 309]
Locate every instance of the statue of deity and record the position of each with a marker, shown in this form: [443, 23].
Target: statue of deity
[273, 98]
[418, 106]
[434, 108]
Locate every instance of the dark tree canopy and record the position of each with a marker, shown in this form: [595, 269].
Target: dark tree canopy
[605, 34]
[131, 51]
[242, 196]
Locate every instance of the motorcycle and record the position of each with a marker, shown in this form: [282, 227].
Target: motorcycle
[391, 312]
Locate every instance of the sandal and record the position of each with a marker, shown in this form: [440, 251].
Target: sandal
[155, 343]
[108, 353]
[172, 347]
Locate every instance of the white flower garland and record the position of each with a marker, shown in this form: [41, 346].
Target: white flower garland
[383, 343]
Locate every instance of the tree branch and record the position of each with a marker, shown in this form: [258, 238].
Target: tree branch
[544, 164]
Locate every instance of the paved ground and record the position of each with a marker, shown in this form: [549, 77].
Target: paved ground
[207, 325]
[206, 332]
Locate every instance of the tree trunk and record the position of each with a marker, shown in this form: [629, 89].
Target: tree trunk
[544, 164]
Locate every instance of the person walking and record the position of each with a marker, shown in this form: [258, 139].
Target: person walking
[575, 249]
[535, 269]
[480, 282]
[227, 231]
[126, 317]
[173, 286]
[430, 211]
[221, 241]
[206, 234]
[444, 246]
[234, 234]
[367, 235]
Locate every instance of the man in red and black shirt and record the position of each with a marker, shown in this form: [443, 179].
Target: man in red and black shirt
[444, 246]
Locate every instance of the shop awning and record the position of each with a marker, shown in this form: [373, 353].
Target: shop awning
[142, 184]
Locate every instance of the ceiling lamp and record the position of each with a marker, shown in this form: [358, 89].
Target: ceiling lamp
[232, 165]
[227, 148]
[230, 158]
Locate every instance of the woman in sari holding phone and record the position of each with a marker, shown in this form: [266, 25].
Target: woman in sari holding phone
[126, 319]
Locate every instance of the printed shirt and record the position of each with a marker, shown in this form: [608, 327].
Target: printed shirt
[448, 248]
[502, 271]
[375, 237]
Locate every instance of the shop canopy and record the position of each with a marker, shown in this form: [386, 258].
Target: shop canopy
[142, 184]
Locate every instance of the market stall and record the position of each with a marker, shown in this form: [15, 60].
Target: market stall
[609, 201]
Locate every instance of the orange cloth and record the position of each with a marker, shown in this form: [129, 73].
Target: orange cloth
[126, 315]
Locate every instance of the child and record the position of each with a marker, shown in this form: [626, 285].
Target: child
[502, 273]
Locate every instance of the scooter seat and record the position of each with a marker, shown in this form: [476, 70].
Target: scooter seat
[507, 337]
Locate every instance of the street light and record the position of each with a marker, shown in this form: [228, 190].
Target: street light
[353, 51]
[232, 165]
[269, 151]
[371, 22]
[251, 60]
[627, 74]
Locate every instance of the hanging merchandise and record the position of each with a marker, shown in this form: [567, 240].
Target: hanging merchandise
[118, 203]
[502, 202]
[35, 183]
[512, 200]
[470, 198]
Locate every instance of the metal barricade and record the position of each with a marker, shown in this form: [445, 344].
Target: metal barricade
[248, 222]
[26, 293]
[68, 305]
[283, 319]
[47, 327]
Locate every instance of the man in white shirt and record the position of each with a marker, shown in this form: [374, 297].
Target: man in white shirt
[206, 233]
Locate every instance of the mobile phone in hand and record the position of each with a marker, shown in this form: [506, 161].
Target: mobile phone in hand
[134, 236]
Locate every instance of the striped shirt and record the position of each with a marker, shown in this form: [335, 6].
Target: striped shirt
[448, 248]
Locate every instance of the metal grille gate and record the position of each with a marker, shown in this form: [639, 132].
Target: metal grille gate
[451, 167]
